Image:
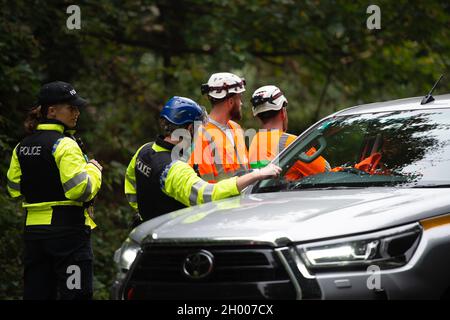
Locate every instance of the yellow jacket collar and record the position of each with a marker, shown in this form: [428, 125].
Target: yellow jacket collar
[51, 126]
[54, 125]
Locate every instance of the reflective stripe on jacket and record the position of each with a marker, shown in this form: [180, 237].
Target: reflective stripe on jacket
[130, 181]
[142, 180]
[181, 182]
[50, 171]
[219, 152]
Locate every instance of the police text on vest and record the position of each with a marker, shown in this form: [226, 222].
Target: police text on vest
[143, 168]
[30, 151]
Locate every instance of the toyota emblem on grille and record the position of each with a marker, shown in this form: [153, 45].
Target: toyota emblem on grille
[198, 265]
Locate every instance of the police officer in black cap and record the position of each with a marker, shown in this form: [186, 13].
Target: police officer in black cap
[56, 181]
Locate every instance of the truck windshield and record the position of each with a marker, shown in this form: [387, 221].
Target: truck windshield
[401, 148]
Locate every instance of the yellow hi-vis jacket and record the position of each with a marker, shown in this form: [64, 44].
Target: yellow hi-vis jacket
[77, 181]
[182, 183]
[154, 184]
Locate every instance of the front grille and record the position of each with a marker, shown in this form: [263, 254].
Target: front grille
[237, 273]
[229, 265]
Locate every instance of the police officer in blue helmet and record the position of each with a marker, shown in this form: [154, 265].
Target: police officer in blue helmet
[158, 182]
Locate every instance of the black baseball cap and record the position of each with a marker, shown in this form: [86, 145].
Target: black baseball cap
[59, 92]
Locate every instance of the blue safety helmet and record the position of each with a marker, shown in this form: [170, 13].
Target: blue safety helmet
[181, 110]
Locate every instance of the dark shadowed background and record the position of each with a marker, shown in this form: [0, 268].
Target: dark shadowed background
[129, 57]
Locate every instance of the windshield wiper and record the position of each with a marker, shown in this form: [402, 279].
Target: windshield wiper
[353, 170]
[323, 186]
[271, 188]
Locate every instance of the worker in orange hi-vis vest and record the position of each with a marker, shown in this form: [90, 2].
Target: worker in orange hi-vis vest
[219, 149]
[270, 106]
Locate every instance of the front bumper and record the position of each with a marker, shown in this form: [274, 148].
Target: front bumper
[425, 276]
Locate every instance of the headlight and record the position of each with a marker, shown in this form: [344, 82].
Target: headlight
[125, 256]
[390, 248]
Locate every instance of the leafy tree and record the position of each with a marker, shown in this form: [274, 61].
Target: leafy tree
[130, 56]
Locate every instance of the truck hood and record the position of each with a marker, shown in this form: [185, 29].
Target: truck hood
[298, 216]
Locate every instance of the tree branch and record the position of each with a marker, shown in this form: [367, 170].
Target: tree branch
[150, 44]
[322, 95]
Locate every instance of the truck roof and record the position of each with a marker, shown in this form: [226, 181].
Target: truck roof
[441, 101]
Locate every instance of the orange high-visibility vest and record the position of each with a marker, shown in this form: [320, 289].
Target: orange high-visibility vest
[267, 144]
[301, 169]
[371, 165]
[219, 152]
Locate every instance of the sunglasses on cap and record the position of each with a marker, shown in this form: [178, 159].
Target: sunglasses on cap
[259, 99]
[205, 88]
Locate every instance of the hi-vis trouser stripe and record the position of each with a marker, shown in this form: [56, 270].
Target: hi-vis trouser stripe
[75, 181]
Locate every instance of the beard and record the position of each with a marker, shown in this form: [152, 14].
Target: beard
[236, 113]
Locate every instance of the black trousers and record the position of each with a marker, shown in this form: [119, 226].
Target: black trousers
[59, 268]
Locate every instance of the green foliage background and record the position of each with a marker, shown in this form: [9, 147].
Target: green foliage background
[131, 56]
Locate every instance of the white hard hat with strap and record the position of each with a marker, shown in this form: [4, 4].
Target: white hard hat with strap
[221, 85]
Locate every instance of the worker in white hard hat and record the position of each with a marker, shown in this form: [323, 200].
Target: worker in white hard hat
[270, 107]
[219, 149]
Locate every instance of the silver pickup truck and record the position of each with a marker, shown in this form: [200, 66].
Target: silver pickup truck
[374, 226]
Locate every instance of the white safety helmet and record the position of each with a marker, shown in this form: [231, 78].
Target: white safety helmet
[221, 85]
[267, 98]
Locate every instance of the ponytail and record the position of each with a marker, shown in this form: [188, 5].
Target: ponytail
[34, 117]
